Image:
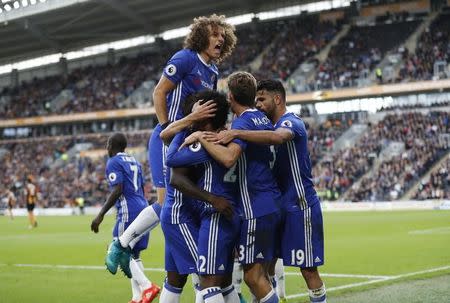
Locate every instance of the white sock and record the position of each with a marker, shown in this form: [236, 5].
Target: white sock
[318, 295]
[170, 294]
[230, 294]
[145, 221]
[271, 297]
[238, 276]
[138, 274]
[281, 283]
[136, 290]
[212, 295]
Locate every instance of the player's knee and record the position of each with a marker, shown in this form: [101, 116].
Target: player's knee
[312, 277]
[176, 280]
[252, 278]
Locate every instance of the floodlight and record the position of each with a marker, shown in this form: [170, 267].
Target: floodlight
[7, 7]
[24, 3]
[16, 4]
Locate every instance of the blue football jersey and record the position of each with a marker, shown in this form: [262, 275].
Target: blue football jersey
[211, 176]
[124, 169]
[293, 166]
[187, 70]
[258, 190]
[177, 208]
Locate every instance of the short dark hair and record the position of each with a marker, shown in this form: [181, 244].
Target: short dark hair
[118, 141]
[242, 86]
[273, 86]
[222, 106]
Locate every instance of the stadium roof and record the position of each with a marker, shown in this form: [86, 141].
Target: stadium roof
[35, 28]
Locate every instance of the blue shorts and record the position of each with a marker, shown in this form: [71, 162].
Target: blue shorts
[181, 253]
[257, 240]
[216, 241]
[141, 241]
[156, 157]
[302, 238]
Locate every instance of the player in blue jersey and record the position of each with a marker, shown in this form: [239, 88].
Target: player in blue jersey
[180, 216]
[259, 195]
[302, 233]
[218, 226]
[124, 176]
[190, 70]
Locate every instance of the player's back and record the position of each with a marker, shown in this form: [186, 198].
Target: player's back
[293, 165]
[259, 193]
[190, 74]
[125, 169]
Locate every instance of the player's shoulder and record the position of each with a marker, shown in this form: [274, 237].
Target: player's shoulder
[290, 120]
[185, 53]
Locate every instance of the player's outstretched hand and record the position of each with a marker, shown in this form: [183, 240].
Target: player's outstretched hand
[203, 111]
[210, 136]
[191, 139]
[223, 206]
[225, 137]
[96, 223]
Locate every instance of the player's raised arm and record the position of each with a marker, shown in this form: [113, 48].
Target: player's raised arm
[110, 201]
[199, 112]
[162, 89]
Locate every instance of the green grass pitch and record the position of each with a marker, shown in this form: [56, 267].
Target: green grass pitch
[383, 256]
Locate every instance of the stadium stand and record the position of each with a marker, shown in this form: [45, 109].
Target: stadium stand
[438, 185]
[432, 46]
[359, 52]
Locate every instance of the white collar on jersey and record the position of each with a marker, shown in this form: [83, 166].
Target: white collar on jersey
[203, 61]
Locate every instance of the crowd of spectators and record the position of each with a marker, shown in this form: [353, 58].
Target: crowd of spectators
[297, 40]
[433, 45]
[395, 176]
[357, 54]
[438, 185]
[60, 177]
[105, 87]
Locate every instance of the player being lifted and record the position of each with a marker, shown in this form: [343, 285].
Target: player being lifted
[124, 175]
[215, 235]
[191, 69]
[302, 230]
[259, 195]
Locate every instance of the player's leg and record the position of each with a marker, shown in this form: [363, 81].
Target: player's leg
[173, 287]
[281, 284]
[135, 291]
[314, 254]
[147, 219]
[149, 290]
[216, 240]
[156, 160]
[10, 207]
[238, 276]
[256, 249]
[230, 295]
[303, 247]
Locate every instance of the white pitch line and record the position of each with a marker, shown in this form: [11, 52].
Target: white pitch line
[95, 267]
[342, 275]
[375, 281]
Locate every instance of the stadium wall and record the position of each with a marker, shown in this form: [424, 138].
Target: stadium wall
[326, 206]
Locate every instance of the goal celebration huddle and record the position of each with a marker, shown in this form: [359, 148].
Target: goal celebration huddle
[234, 200]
